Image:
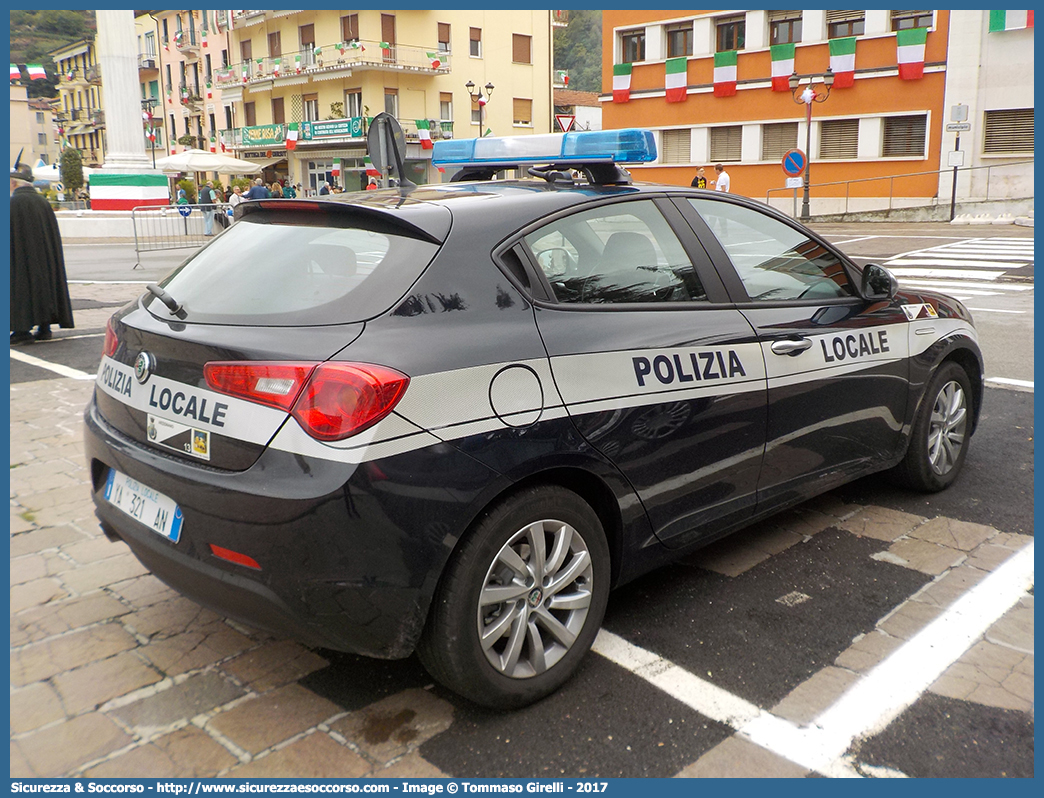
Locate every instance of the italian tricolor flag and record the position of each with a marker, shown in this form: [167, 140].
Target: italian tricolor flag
[725, 74]
[16, 74]
[909, 46]
[842, 61]
[36, 72]
[677, 79]
[621, 83]
[424, 134]
[782, 66]
[370, 170]
[291, 136]
[1010, 20]
[436, 62]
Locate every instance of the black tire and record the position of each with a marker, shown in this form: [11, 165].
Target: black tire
[940, 436]
[536, 635]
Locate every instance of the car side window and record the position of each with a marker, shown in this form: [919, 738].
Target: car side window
[774, 261]
[620, 253]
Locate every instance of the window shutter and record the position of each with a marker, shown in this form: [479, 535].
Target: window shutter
[839, 138]
[726, 143]
[520, 48]
[904, 135]
[677, 146]
[476, 34]
[1009, 130]
[777, 139]
[522, 111]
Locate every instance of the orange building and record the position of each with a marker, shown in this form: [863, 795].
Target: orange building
[882, 125]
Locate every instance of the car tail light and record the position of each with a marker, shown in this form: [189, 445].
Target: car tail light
[111, 341]
[331, 401]
[342, 399]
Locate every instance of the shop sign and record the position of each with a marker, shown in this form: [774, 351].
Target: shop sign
[266, 154]
[264, 134]
[334, 129]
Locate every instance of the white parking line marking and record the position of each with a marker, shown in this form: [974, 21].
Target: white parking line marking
[852, 240]
[65, 371]
[876, 699]
[1006, 381]
[993, 310]
[974, 274]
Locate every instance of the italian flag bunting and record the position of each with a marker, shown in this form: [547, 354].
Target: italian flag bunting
[291, 136]
[725, 74]
[275, 66]
[1010, 20]
[842, 61]
[204, 36]
[436, 62]
[676, 79]
[36, 72]
[782, 66]
[340, 48]
[909, 47]
[370, 171]
[16, 73]
[221, 141]
[424, 134]
[210, 90]
[621, 83]
[213, 144]
[297, 63]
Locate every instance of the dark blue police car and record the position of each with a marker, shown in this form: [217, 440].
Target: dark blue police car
[449, 419]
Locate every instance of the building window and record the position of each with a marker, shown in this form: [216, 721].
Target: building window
[838, 138]
[904, 136]
[476, 112]
[349, 28]
[39, 117]
[306, 35]
[679, 40]
[677, 146]
[726, 143]
[476, 42]
[777, 139]
[41, 138]
[632, 46]
[521, 112]
[784, 27]
[150, 44]
[353, 103]
[391, 102]
[444, 37]
[207, 70]
[310, 107]
[521, 48]
[278, 115]
[246, 52]
[249, 116]
[446, 106]
[731, 33]
[275, 45]
[841, 24]
[905, 20]
[1008, 131]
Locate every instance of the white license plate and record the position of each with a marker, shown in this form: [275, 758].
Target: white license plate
[150, 507]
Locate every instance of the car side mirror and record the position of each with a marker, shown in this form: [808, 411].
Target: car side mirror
[878, 283]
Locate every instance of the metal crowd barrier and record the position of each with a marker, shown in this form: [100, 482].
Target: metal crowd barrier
[173, 227]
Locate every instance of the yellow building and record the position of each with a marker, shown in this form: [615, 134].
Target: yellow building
[79, 114]
[32, 127]
[331, 71]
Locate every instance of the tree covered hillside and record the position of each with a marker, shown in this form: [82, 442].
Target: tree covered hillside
[36, 33]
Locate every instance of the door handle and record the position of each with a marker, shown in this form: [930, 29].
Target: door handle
[791, 347]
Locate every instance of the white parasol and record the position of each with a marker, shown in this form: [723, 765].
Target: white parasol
[202, 161]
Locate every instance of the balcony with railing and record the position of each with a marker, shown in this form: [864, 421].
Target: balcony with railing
[190, 96]
[186, 42]
[94, 74]
[98, 118]
[148, 61]
[346, 57]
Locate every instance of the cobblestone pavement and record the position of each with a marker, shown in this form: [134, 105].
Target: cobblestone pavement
[114, 674]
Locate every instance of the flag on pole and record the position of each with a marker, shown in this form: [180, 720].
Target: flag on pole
[16, 73]
[842, 61]
[725, 73]
[782, 66]
[291, 136]
[36, 72]
[436, 62]
[676, 79]
[166, 44]
[424, 134]
[70, 75]
[909, 47]
[221, 141]
[621, 83]
[1010, 20]
[179, 38]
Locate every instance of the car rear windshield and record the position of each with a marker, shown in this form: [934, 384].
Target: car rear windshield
[293, 274]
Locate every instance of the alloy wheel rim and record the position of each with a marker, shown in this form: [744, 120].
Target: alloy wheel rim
[946, 428]
[535, 599]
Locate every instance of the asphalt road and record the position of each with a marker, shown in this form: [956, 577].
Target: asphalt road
[731, 631]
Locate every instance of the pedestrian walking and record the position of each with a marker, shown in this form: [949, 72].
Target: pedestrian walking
[39, 290]
[206, 202]
[700, 181]
[723, 183]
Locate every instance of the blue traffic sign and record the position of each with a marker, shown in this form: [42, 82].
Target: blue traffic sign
[794, 163]
[183, 207]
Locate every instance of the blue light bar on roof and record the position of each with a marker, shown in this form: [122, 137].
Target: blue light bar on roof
[587, 146]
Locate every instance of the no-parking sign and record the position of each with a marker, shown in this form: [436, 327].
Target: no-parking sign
[794, 163]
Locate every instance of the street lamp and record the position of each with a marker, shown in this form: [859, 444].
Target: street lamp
[147, 105]
[476, 94]
[809, 96]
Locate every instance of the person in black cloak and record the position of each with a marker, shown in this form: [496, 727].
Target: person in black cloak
[39, 291]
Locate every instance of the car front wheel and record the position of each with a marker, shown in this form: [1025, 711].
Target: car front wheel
[521, 601]
[939, 440]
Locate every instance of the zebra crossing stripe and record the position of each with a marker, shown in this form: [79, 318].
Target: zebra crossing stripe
[976, 264]
[976, 274]
[932, 284]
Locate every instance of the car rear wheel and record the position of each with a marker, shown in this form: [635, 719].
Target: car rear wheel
[521, 601]
[939, 441]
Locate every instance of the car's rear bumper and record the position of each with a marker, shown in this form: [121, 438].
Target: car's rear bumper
[349, 555]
